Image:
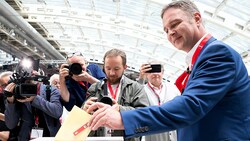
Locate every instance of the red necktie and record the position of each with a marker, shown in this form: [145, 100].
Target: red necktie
[181, 81]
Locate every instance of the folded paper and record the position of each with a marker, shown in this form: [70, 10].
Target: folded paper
[74, 128]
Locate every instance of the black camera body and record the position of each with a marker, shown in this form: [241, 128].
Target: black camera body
[105, 100]
[21, 91]
[74, 68]
[156, 68]
[24, 79]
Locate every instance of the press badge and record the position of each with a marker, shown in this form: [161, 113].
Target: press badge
[36, 132]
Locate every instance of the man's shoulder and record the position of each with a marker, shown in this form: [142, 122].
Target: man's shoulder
[128, 81]
[93, 66]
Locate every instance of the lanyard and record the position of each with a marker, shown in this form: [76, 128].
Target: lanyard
[84, 85]
[181, 81]
[157, 95]
[111, 90]
[35, 110]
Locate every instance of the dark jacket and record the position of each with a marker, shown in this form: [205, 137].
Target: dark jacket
[77, 91]
[132, 95]
[21, 113]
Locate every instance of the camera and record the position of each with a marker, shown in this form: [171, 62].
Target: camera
[105, 100]
[156, 68]
[74, 68]
[24, 79]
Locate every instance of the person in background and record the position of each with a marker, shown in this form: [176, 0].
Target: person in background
[124, 92]
[73, 89]
[214, 104]
[38, 115]
[54, 81]
[4, 131]
[158, 93]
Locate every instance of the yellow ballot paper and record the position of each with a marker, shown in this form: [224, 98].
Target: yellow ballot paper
[74, 128]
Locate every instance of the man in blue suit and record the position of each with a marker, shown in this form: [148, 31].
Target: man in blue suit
[214, 105]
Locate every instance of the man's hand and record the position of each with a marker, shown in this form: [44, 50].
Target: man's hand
[2, 116]
[144, 68]
[105, 116]
[27, 99]
[63, 72]
[84, 76]
[9, 88]
[89, 102]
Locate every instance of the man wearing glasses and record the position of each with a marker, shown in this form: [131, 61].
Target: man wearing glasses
[73, 89]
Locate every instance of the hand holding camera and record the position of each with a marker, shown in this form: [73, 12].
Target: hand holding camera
[73, 71]
[149, 68]
[8, 91]
[26, 99]
[89, 102]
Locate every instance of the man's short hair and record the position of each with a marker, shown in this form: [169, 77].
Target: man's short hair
[185, 5]
[116, 52]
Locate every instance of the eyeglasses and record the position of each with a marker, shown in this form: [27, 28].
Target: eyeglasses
[73, 54]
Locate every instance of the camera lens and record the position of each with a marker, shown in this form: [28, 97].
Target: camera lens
[106, 100]
[75, 68]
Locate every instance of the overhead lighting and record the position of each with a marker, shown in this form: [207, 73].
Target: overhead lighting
[12, 33]
[44, 55]
[35, 49]
[25, 42]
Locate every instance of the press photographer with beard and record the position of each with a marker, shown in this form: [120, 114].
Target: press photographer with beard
[37, 115]
[116, 89]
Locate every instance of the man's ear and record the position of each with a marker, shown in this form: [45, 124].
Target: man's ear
[197, 17]
[125, 66]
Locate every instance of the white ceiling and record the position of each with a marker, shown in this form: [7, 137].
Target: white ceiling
[95, 26]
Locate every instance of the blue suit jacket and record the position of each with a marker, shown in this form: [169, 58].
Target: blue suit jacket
[213, 107]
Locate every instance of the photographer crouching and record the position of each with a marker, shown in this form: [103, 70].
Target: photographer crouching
[31, 104]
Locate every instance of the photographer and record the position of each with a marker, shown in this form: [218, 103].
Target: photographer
[4, 131]
[75, 79]
[38, 115]
[118, 89]
[158, 93]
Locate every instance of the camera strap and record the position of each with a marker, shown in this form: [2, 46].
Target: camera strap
[84, 85]
[48, 92]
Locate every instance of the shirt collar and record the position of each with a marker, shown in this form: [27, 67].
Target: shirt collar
[191, 52]
[155, 87]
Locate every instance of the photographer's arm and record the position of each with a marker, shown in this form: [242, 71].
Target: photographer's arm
[52, 106]
[12, 114]
[63, 72]
[1, 116]
[84, 76]
[143, 75]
